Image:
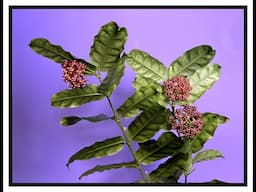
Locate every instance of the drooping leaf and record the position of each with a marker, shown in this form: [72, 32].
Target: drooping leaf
[152, 150]
[211, 122]
[99, 149]
[140, 100]
[76, 97]
[57, 53]
[97, 118]
[147, 124]
[113, 78]
[191, 60]
[202, 80]
[108, 45]
[101, 168]
[207, 155]
[173, 166]
[146, 66]
[71, 120]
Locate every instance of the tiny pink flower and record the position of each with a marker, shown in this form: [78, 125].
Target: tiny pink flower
[177, 88]
[187, 121]
[73, 74]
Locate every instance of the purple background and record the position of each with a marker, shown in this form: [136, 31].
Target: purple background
[41, 147]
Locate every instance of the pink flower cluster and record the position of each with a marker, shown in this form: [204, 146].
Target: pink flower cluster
[73, 74]
[177, 88]
[187, 121]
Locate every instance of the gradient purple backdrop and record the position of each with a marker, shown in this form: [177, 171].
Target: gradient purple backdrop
[41, 147]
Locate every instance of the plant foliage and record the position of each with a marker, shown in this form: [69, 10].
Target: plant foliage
[153, 110]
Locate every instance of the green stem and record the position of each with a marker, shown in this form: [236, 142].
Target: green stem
[186, 179]
[125, 136]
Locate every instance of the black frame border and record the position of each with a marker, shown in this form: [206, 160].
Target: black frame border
[121, 7]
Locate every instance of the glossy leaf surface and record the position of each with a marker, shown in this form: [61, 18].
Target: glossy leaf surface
[202, 80]
[191, 60]
[99, 149]
[57, 53]
[71, 120]
[108, 45]
[76, 97]
[113, 78]
[146, 66]
[169, 168]
[140, 100]
[147, 124]
[152, 150]
[101, 168]
[211, 122]
[206, 155]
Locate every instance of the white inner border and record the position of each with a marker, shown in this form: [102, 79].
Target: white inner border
[248, 3]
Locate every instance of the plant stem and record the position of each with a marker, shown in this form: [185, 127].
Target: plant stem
[125, 136]
[186, 178]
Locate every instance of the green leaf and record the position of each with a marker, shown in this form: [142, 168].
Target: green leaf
[211, 122]
[207, 155]
[152, 150]
[108, 45]
[76, 97]
[189, 163]
[170, 168]
[202, 80]
[191, 60]
[97, 118]
[166, 126]
[147, 124]
[99, 149]
[70, 120]
[113, 78]
[141, 82]
[57, 53]
[101, 168]
[147, 66]
[140, 100]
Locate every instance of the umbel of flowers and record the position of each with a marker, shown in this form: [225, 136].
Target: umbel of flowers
[162, 101]
[74, 73]
[186, 121]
